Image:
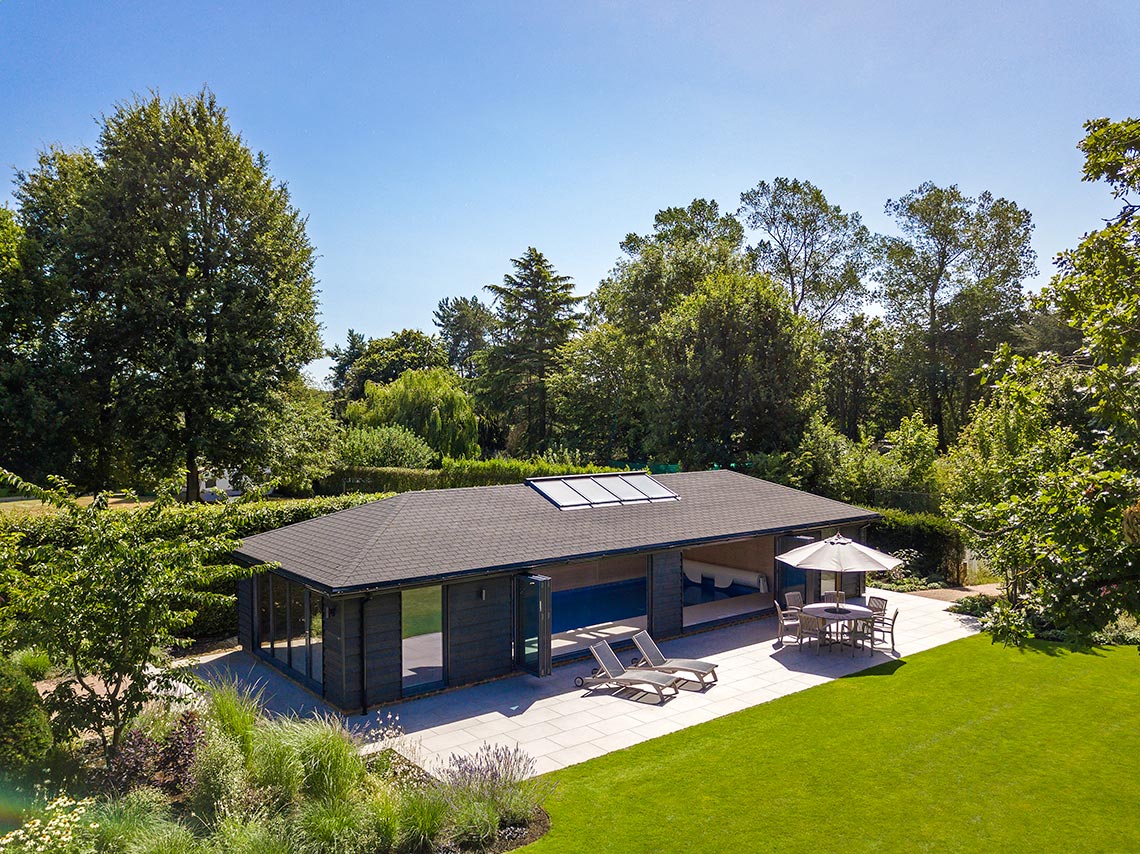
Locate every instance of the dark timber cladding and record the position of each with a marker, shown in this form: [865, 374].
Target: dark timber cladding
[478, 629]
[665, 605]
[476, 543]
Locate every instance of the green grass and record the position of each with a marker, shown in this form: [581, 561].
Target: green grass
[968, 747]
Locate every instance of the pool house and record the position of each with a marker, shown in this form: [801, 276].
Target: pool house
[426, 590]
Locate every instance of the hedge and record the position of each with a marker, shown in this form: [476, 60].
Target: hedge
[453, 474]
[937, 540]
[198, 520]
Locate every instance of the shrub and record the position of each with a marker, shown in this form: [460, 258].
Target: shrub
[388, 446]
[25, 732]
[423, 813]
[337, 826]
[333, 767]
[499, 776]
[975, 606]
[937, 541]
[167, 837]
[219, 778]
[256, 834]
[164, 761]
[113, 826]
[35, 662]
[234, 710]
[474, 824]
[276, 770]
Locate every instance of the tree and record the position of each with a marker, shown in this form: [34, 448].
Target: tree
[184, 282]
[303, 440]
[660, 269]
[537, 315]
[862, 387]
[465, 325]
[385, 359]
[819, 254]
[62, 331]
[107, 604]
[952, 282]
[732, 373]
[431, 403]
[598, 409]
[1047, 471]
[345, 357]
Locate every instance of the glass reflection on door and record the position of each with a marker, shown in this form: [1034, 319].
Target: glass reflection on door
[422, 620]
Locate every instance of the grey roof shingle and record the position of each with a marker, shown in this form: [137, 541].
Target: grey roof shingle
[447, 532]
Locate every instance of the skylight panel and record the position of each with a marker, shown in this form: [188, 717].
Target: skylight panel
[560, 493]
[652, 490]
[594, 490]
[624, 491]
[601, 490]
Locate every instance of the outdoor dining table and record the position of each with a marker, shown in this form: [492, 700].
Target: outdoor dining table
[835, 614]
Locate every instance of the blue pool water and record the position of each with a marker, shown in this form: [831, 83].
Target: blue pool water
[606, 603]
[603, 603]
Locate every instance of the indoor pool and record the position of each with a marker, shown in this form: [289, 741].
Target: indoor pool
[607, 603]
[603, 603]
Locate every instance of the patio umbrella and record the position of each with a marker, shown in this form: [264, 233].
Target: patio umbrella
[839, 555]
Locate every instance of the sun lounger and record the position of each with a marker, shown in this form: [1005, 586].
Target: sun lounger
[610, 672]
[652, 658]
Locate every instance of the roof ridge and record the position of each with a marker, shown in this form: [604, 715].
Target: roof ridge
[348, 569]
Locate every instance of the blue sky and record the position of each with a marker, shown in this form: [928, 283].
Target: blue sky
[429, 143]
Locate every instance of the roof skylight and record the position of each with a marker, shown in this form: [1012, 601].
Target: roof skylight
[571, 492]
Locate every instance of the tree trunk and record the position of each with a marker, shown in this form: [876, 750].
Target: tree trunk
[193, 484]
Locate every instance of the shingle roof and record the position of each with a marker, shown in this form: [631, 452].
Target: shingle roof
[447, 532]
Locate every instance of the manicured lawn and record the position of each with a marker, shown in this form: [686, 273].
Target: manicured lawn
[422, 614]
[968, 747]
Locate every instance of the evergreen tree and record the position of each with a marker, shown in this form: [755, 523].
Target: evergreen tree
[537, 315]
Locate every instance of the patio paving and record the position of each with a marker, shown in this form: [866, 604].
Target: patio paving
[562, 725]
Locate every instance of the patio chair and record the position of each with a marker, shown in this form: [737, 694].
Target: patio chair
[789, 623]
[794, 601]
[861, 635]
[652, 658]
[884, 627]
[836, 597]
[610, 672]
[878, 605]
[813, 630]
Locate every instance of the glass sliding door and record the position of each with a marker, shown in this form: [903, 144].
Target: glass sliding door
[316, 636]
[290, 625]
[532, 624]
[263, 584]
[280, 588]
[298, 630]
[421, 614]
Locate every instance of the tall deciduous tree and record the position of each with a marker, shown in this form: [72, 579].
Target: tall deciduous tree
[819, 254]
[385, 359]
[952, 281]
[465, 325]
[1046, 486]
[732, 374]
[537, 314]
[659, 269]
[430, 403]
[182, 285]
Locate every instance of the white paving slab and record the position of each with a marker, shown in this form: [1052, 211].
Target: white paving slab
[562, 725]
